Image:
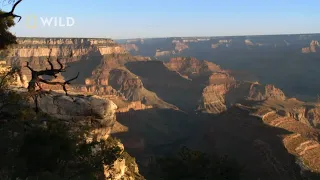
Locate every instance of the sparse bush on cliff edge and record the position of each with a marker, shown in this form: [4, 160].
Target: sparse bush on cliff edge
[53, 151]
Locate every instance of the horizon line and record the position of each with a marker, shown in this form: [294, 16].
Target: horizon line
[159, 37]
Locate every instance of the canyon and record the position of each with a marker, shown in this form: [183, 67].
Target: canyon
[154, 107]
[250, 58]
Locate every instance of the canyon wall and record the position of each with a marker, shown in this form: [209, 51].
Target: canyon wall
[93, 58]
[302, 141]
[37, 50]
[63, 47]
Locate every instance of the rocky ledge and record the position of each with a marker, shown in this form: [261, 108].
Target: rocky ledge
[93, 112]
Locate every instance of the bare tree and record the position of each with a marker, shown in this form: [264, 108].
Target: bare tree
[7, 21]
[11, 13]
[37, 79]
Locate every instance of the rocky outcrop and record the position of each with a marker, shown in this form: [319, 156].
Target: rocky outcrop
[314, 45]
[306, 50]
[225, 42]
[221, 78]
[130, 47]
[71, 107]
[260, 92]
[100, 75]
[132, 88]
[312, 116]
[224, 91]
[136, 105]
[180, 46]
[100, 115]
[3, 67]
[124, 168]
[93, 111]
[97, 113]
[125, 82]
[192, 67]
[248, 42]
[306, 113]
[213, 99]
[163, 53]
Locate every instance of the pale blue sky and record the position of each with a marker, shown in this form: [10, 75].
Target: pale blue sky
[168, 18]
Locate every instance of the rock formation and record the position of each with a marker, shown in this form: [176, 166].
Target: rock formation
[130, 47]
[136, 106]
[306, 113]
[303, 142]
[224, 91]
[214, 46]
[225, 42]
[306, 50]
[248, 42]
[180, 46]
[95, 114]
[192, 67]
[132, 88]
[3, 66]
[213, 99]
[312, 48]
[163, 53]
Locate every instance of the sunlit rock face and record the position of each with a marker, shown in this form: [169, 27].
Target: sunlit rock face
[314, 45]
[213, 100]
[71, 107]
[224, 91]
[38, 47]
[164, 53]
[192, 67]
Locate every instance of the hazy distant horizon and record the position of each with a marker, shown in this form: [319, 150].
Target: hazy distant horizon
[314, 33]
